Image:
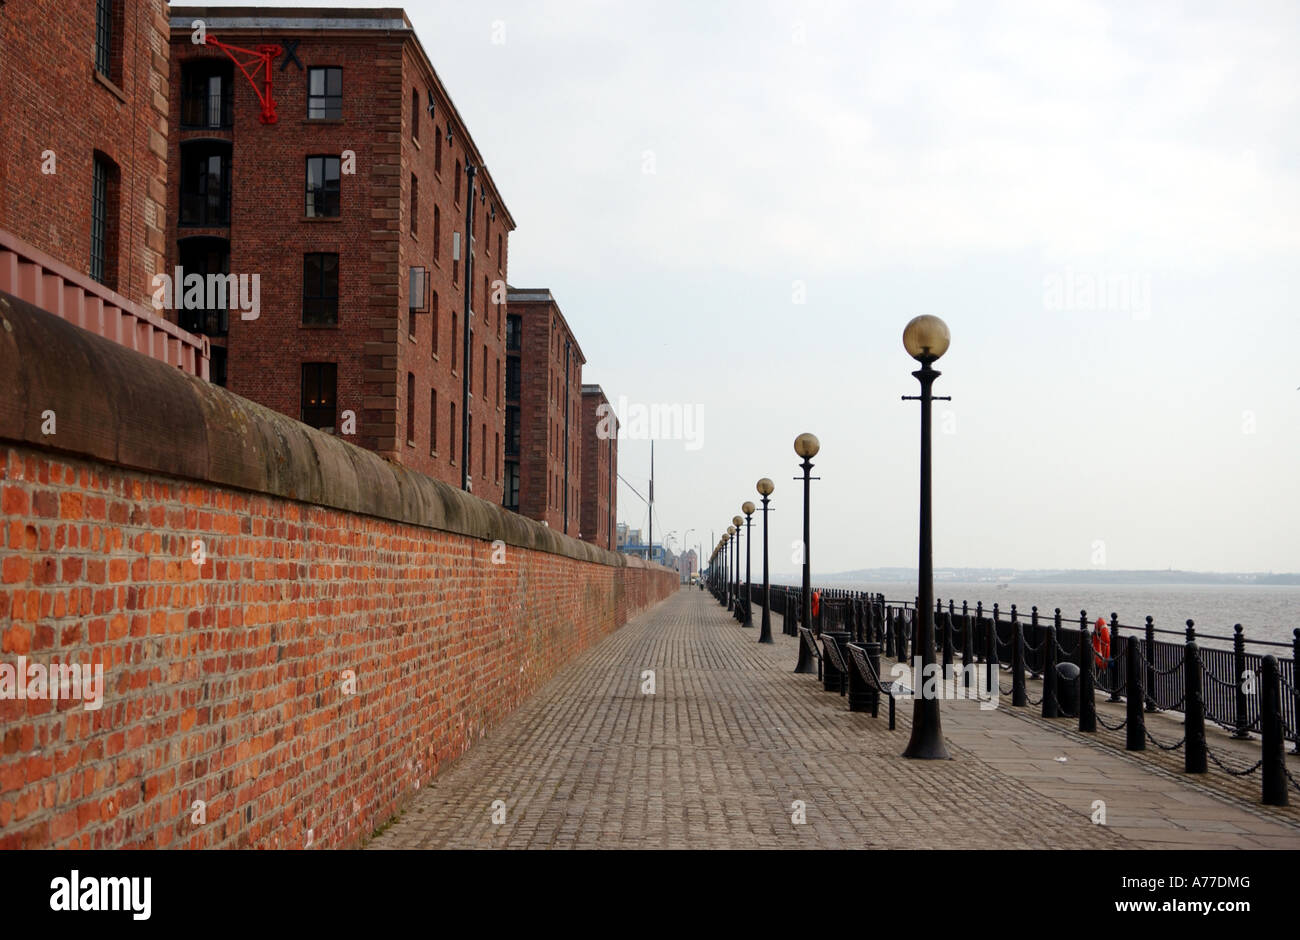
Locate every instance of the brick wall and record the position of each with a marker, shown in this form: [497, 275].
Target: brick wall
[224, 681]
[54, 100]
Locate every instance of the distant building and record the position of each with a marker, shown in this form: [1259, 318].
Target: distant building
[544, 422]
[599, 468]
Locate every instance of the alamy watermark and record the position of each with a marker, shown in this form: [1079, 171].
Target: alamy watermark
[181, 291]
[938, 681]
[638, 421]
[58, 680]
[1098, 291]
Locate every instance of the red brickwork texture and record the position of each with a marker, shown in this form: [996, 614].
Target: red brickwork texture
[225, 682]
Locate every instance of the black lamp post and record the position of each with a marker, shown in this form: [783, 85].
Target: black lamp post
[748, 510]
[925, 339]
[806, 446]
[727, 566]
[765, 488]
[738, 522]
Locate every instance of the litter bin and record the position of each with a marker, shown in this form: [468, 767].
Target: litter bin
[1067, 689]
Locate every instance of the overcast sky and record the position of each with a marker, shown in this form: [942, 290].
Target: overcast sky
[1101, 199]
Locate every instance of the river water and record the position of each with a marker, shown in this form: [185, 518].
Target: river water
[1265, 612]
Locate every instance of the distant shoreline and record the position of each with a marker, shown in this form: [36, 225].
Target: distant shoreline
[995, 576]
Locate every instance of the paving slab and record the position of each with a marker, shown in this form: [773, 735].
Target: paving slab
[733, 751]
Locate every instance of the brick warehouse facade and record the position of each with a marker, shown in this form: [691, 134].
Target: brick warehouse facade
[362, 300]
[549, 418]
[599, 468]
[83, 173]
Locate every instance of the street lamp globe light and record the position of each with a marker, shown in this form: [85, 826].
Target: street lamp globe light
[765, 487]
[926, 338]
[807, 446]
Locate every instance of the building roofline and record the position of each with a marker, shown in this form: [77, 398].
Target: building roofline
[542, 295]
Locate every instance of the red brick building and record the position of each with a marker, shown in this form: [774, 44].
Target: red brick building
[599, 468]
[83, 173]
[351, 210]
[544, 425]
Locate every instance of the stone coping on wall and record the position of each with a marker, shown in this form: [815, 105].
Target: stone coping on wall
[115, 405]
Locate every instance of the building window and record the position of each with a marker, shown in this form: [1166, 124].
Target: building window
[415, 114]
[498, 383]
[319, 384]
[437, 151]
[455, 346]
[496, 456]
[469, 447]
[325, 93]
[513, 379]
[457, 182]
[415, 204]
[514, 329]
[205, 183]
[510, 496]
[320, 289]
[417, 289]
[104, 197]
[482, 444]
[451, 433]
[206, 99]
[205, 256]
[512, 430]
[322, 187]
[499, 255]
[410, 409]
[485, 374]
[437, 232]
[433, 321]
[469, 359]
[433, 422]
[108, 38]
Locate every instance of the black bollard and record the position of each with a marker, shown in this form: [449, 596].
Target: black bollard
[967, 649]
[1295, 688]
[1019, 697]
[1114, 657]
[1151, 665]
[1050, 709]
[1087, 704]
[889, 633]
[1036, 631]
[1242, 733]
[991, 673]
[1270, 728]
[947, 643]
[1194, 750]
[1137, 739]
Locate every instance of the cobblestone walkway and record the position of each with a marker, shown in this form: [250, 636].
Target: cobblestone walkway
[718, 756]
